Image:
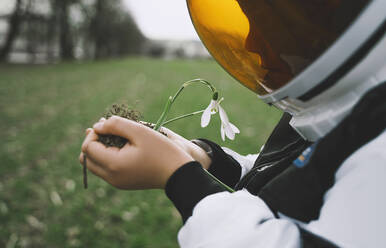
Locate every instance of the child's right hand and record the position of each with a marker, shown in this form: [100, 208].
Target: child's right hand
[146, 161]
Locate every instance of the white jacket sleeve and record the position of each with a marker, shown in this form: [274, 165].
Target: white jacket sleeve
[236, 220]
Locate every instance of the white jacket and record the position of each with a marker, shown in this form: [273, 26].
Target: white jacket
[353, 214]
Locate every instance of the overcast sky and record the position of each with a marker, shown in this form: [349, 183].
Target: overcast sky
[157, 19]
[162, 19]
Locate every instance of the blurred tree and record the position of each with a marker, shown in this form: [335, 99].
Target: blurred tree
[51, 34]
[13, 30]
[113, 30]
[67, 29]
[61, 9]
[157, 51]
[34, 30]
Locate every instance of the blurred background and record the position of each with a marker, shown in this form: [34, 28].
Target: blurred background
[62, 64]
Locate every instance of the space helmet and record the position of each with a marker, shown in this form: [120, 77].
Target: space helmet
[311, 58]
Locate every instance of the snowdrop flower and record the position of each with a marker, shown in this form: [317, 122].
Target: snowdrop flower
[227, 129]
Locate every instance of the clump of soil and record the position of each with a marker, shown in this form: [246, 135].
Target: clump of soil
[124, 111]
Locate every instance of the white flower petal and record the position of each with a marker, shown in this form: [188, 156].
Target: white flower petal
[222, 132]
[223, 116]
[229, 132]
[215, 106]
[205, 118]
[227, 129]
[234, 128]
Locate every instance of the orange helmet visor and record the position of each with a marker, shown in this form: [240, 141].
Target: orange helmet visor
[266, 43]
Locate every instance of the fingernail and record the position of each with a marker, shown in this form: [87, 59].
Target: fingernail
[88, 130]
[102, 119]
[98, 125]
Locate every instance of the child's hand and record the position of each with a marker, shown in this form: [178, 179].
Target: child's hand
[196, 152]
[146, 161]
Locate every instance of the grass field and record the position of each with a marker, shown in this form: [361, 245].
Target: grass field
[44, 113]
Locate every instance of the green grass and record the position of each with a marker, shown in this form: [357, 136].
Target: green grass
[44, 113]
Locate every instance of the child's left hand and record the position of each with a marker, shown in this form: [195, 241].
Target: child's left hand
[146, 161]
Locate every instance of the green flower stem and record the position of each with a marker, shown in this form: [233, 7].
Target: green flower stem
[178, 93]
[164, 114]
[171, 100]
[183, 116]
[161, 121]
[222, 184]
[203, 81]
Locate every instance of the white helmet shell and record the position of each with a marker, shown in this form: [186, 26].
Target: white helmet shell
[354, 64]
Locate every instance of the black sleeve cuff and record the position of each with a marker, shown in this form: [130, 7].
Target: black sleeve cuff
[188, 185]
[223, 166]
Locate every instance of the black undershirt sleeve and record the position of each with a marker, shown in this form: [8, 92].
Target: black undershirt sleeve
[311, 240]
[223, 166]
[188, 185]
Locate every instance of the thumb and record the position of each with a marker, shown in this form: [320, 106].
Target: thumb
[118, 126]
[170, 134]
